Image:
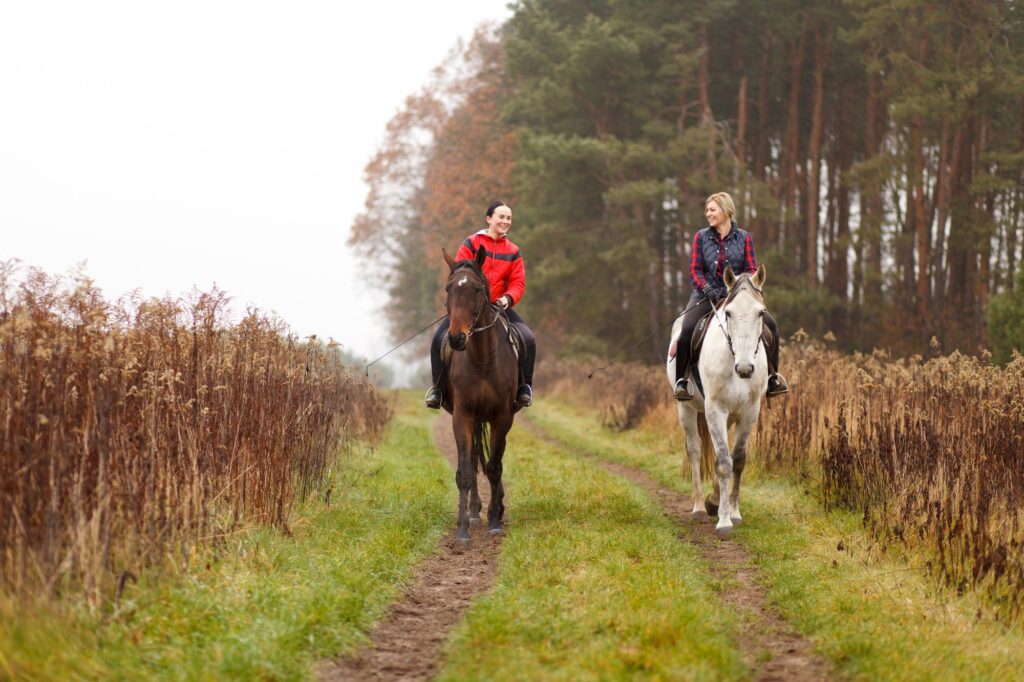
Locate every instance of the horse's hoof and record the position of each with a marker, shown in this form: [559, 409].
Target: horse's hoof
[736, 520]
[711, 508]
[723, 531]
[699, 515]
[493, 532]
[474, 521]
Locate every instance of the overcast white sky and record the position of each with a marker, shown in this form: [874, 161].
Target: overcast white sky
[190, 143]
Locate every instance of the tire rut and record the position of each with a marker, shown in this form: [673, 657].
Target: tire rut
[768, 643]
[407, 643]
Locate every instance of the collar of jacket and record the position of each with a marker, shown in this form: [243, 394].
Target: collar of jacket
[487, 234]
[733, 230]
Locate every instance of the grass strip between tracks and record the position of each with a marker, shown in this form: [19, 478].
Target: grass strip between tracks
[593, 584]
[859, 603]
[262, 606]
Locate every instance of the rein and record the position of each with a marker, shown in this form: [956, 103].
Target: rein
[474, 329]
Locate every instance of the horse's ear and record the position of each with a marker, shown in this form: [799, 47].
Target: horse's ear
[481, 255]
[448, 259]
[760, 276]
[729, 277]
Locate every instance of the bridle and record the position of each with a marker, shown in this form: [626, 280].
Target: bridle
[723, 322]
[482, 289]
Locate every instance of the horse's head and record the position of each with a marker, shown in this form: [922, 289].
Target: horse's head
[468, 295]
[744, 308]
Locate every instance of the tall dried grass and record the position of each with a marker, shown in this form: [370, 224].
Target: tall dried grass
[135, 430]
[931, 452]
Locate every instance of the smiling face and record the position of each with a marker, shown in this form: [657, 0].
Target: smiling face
[499, 222]
[714, 214]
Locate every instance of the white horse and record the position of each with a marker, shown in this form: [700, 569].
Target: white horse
[733, 368]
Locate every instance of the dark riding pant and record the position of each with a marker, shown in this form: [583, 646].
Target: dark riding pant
[526, 360]
[697, 309]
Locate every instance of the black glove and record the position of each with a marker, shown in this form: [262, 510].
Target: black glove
[713, 293]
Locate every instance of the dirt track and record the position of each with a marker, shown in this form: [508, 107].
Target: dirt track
[769, 645]
[407, 643]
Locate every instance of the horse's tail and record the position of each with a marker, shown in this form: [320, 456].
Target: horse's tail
[481, 445]
[707, 448]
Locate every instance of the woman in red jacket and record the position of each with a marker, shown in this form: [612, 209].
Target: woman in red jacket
[506, 275]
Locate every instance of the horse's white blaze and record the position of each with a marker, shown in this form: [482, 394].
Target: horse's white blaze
[727, 397]
[462, 281]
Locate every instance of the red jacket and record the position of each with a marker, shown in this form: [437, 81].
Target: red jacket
[503, 266]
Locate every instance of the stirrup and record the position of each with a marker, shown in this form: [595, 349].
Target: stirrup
[524, 398]
[680, 392]
[432, 399]
[777, 385]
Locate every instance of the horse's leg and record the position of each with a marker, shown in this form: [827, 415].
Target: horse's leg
[496, 510]
[719, 429]
[462, 425]
[475, 505]
[711, 504]
[688, 420]
[739, 460]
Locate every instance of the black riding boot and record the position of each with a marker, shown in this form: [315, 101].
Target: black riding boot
[433, 398]
[776, 382]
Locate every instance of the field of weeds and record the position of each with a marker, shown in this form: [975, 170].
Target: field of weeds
[133, 432]
[930, 451]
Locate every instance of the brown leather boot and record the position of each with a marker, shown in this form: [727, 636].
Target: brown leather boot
[680, 393]
[777, 385]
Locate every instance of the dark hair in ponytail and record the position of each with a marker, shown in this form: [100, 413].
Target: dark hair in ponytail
[496, 204]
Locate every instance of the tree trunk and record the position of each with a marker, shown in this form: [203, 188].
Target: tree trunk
[707, 118]
[821, 50]
[792, 148]
[871, 218]
[922, 228]
[741, 130]
[764, 230]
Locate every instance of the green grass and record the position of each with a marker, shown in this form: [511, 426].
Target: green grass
[593, 584]
[863, 606]
[263, 606]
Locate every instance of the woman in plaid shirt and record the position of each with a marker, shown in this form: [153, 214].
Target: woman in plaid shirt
[721, 243]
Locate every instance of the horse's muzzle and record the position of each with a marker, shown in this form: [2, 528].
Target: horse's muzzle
[745, 370]
[458, 341]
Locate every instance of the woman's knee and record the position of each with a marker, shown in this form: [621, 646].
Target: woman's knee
[435, 343]
[527, 333]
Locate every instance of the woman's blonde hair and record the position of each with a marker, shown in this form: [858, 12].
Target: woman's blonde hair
[724, 202]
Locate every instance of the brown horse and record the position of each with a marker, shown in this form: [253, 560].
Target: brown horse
[480, 388]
